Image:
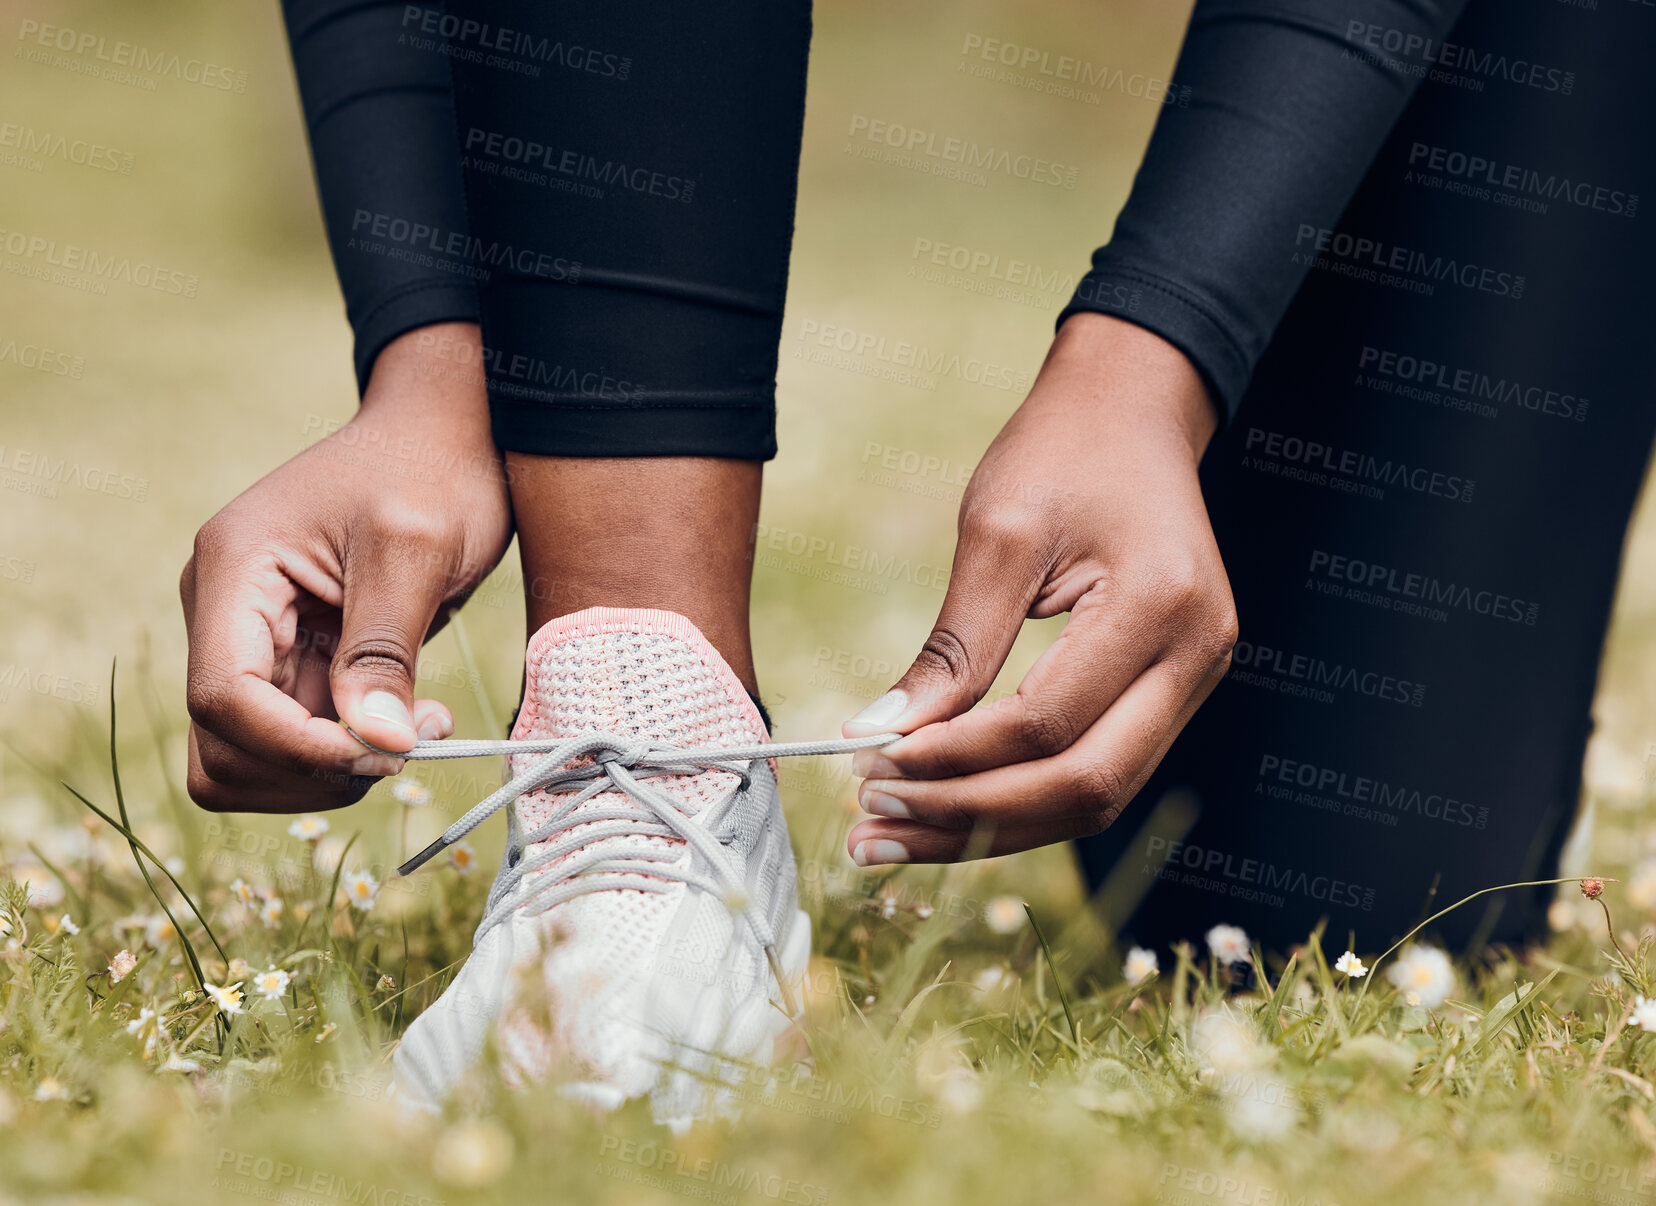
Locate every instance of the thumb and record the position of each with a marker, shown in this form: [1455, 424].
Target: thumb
[391, 598]
[982, 613]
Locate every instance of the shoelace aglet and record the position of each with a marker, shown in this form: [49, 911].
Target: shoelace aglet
[423, 857]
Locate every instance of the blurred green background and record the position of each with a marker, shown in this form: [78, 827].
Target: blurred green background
[179, 402]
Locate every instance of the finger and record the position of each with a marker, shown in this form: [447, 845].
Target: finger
[227, 780]
[880, 843]
[237, 614]
[991, 587]
[392, 594]
[1074, 794]
[1106, 644]
[432, 721]
[1109, 641]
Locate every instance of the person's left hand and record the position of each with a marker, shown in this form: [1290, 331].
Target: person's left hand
[1087, 502]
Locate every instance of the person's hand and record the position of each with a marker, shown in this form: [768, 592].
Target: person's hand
[309, 596]
[1086, 502]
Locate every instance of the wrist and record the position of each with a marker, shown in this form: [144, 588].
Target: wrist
[431, 378]
[1134, 376]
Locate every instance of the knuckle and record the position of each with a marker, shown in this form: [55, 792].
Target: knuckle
[996, 523]
[1043, 731]
[1102, 789]
[204, 700]
[208, 795]
[945, 655]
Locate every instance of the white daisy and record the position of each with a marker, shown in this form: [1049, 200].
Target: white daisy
[411, 792]
[271, 912]
[308, 827]
[242, 892]
[158, 931]
[1351, 965]
[1644, 1014]
[1141, 965]
[272, 984]
[1425, 976]
[228, 999]
[1004, 914]
[66, 925]
[462, 857]
[360, 888]
[1229, 944]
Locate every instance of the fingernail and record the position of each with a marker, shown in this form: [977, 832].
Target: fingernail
[382, 705]
[875, 851]
[873, 764]
[377, 766]
[883, 805]
[879, 716]
[435, 727]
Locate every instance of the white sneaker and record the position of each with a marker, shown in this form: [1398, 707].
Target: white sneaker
[644, 929]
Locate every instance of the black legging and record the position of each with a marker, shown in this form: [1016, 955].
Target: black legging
[1420, 497]
[609, 187]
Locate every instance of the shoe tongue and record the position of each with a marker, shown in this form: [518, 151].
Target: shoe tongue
[633, 673]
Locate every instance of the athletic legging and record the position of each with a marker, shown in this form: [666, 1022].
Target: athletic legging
[1406, 254]
[608, 187]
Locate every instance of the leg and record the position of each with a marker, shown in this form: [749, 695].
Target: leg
[673, 532]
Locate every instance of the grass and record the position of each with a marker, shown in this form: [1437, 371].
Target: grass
[960, 1049]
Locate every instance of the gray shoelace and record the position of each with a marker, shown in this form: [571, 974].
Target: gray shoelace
[620, 765]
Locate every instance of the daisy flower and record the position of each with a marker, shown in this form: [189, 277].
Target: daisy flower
[144, 1018]
[272, 984]
[238, 970]
[271, 912]
[120, 967]
[66, 925]
[360, 888]
[1004, 914]
[243, 892]
[158, 931]
[1351, 965]
[308, 827]
[1141, 965]
[1644, 1014]
[462, 857]
[228, 999]
[1229, 944]
[1424, 975]
[411, 792]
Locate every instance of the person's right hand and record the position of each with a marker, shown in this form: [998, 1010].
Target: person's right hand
[309, 595]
